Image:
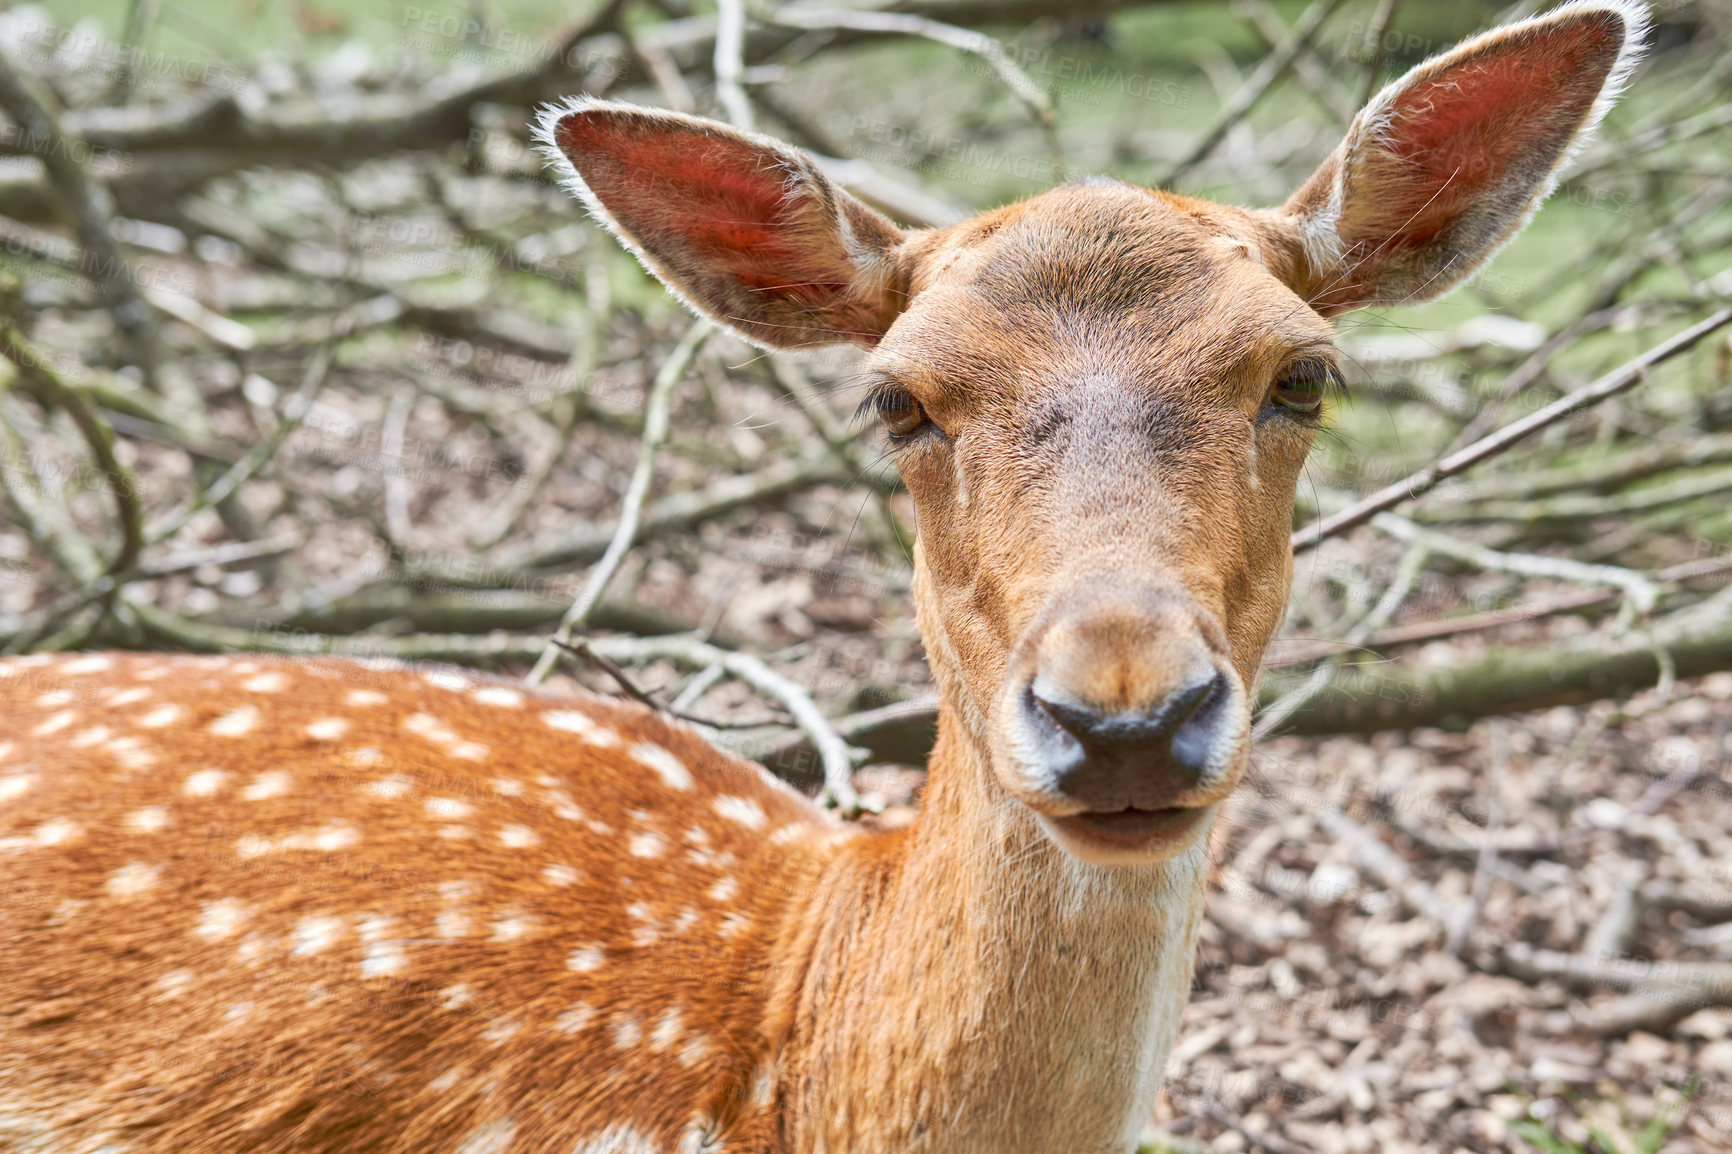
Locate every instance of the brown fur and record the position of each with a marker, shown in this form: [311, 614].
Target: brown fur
[1104, 490]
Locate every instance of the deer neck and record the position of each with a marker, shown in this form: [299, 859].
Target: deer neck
[969, 981]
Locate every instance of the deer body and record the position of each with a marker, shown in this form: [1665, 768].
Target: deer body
[318, 906]
[382, 910]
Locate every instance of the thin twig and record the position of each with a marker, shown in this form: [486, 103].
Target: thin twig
[903, 24]
[48, 388]
[1412, 563]
[43, 520]
[1388, 867]
[624, 680]
[730, 47]
[1375, 53]
[1485, 869]
[398, 489]
[656, 409]
[1421, 631]
[1270, 69]
[833, 751]
[294, 412]
[1619, 380]
[93, 216]
[1639, 591]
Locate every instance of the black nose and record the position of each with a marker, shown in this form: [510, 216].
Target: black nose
[1130, 758]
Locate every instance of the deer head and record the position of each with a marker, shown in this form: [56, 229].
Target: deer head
[1101, 397]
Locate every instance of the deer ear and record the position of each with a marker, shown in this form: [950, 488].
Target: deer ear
[743, 228]
[1450, 161]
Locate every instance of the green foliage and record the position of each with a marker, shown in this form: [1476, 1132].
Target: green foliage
[1669, 1110]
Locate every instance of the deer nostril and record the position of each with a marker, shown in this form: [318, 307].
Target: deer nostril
[1180, 730]
[1099, 728]
[1194, 741]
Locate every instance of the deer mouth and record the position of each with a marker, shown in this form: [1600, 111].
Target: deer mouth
[1131, 830]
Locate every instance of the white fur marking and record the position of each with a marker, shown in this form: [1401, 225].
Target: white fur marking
[627, 1033]
[150, 819]
[493, 1138]
[131, 880]
[570, 721]
[518, 837]
[648, 845]
[95, 663]
[205, 782]
[237, 723]
[585, 959]
[743, 810]
[219, 919]
[316, 934]
[328, 728]
[561, 875]
[672, 769]
[56, 723]
[273, 783]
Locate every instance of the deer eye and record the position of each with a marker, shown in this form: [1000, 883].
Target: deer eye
[1301, 386]
[899, 411]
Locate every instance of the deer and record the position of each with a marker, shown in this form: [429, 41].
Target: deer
[308, 904]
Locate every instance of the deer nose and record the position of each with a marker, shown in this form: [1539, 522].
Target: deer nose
[1177, 732]
[1145, 758]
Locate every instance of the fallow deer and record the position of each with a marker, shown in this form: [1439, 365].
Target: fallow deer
[259, 904]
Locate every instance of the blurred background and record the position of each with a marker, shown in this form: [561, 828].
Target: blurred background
[304, 353]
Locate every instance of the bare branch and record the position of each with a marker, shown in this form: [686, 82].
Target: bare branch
[1619, 380]
[730, 44]
[1270, 69]
[656, 407]
[93, 215]
[902, 24]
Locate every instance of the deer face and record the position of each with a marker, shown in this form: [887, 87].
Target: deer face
[1101, 398]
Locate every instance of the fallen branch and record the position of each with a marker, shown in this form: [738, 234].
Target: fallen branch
[1619, 380]
[902, 734]
[1519, 679]
[1297, 651]
[1710, 982]
[1639, 592]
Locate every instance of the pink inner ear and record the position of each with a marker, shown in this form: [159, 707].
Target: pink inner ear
[1461, 132]
[723, 201]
